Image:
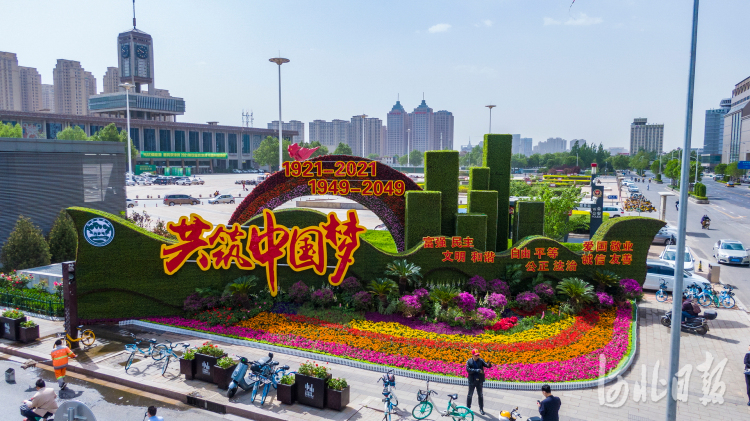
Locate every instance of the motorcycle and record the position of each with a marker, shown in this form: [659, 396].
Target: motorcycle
[706, 223]
[238, 375]
[697, 324]
[514, 415]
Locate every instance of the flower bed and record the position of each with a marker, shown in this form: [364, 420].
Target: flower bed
[566, 350]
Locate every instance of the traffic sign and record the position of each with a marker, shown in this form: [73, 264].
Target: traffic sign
[612, 197]
[743, 165]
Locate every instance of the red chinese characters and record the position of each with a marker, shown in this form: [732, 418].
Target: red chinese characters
[344, 238]
[268, 246]
[190, 238]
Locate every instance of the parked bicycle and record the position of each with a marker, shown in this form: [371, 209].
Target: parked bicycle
[162, 351]
[390, 401]
[263, 375]
[661, 294]
[423, 409]
[692, 291]
[708, 296]
[134, 348]
[85, 336]
[726, 297]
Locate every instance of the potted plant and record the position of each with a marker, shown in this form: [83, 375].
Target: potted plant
[311, 384]
[187, 364]
[286, 391]
[337, 394]
[29, 331]
[222, 372]
[206, 356]
[11, 324]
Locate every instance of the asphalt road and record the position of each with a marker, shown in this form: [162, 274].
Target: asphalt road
[728, 210]
[106, 403]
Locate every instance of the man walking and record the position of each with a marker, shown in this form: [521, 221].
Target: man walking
[549, 407]
[475, 367]
[60, 356]
[677, 205]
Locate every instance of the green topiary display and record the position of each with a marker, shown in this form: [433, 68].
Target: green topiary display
[641, 237]
[700, 189]
[473, 225]
[63, 239]
[497, 155]
[529, 220]
[441, 174]
[479, 178]
[25, 247]
[485, 201]
[422, 216]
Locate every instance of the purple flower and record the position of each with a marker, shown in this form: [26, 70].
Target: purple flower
[411, 302]
[544, 291]
[466, 302]
[421, 293]
[299, 292]
[477, 283]
[362, 300]
[499, 286]
[631, 287]
[351, 285]
[322, 297]
[486, 314]
[528, 300]
[496, 300]
[605, 299]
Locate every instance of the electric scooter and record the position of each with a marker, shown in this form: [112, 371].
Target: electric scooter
[695, 325]
[238, 375]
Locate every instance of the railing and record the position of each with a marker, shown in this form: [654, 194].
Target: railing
[46, 306]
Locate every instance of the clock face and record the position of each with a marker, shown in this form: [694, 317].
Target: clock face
[125, 50]
[141, 51]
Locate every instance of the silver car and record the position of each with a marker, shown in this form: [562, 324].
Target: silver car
[664, 237]
[731, 251]
[669, 255]
[659, 271]
[222, 198]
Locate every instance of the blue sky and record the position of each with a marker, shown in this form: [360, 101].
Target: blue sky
[579, 73]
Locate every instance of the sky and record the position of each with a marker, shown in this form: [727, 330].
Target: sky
[552, 70]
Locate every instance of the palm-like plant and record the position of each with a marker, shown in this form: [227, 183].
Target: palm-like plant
[443, 295]
[406, 273]
[242, 286]
[578, 291]
[605, 278]
[381, 288]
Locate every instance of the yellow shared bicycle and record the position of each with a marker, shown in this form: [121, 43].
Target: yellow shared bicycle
[85, 336]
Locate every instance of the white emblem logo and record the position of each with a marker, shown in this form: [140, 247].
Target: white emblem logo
[99, 232]
[309, 390]
[206, 368]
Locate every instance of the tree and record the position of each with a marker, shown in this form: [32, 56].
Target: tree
[322, 150]
[110, 134]
[557, 204]
[518, 161]
[72, 133]
[268, 152]
[415, 157]
[63, 239]
[639, 162]
[534, 160]
[407, 273]
[620, 162]
[373, 156]
[25, 247]
[733, 171]
[655, 168]
[403, 159]
[343, 149]
[672, 170]
[720, 169]
[9, 130]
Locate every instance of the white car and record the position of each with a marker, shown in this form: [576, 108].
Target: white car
[183, 182]
[223, 198]
[731, 251]
[144, 181]
[196, 180]
[129, 182]
[131, 203]
[669, 256]
[658, 271]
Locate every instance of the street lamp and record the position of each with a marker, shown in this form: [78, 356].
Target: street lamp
[490, 107]
[364, 116]
[127, 87]
[280, 61]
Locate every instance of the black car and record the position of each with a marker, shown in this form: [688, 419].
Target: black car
[163, 181]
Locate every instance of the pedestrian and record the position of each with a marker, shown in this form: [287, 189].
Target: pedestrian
[475, 368]
[648, 186]
[677, 205]
[549, 406]
[42, 404]
[151, 413]
[243, 185]
[747, 374]
[60, 355]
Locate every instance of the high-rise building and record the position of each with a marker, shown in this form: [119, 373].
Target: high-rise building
[31, 89]
[48, 97]
[10, 82]
[736, 144]
[340, 132]
[422, 125]
[371, 131]
[647, 137]
[551, 145]
[713, 136]
[581, 143]
[616, 150]
[383, 141]
[398, 125]
[294, 125]
[516, 144]
[526, 147]
[111, 80]
[443, 130]
[72, 88]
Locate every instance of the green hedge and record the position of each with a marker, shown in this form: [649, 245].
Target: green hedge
[700, 189]
[485, 201]
[422, 216]
[497, 153]
[479, 178]
[641, 235]
[529, 219]
[473, 225]
[441, 174]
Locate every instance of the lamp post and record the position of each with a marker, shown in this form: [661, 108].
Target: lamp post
[127, 87]
[490, 107]
[364, 116]
[280, 61]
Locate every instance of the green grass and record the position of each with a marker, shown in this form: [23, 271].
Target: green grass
[380, 239]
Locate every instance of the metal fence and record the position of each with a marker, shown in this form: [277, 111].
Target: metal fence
[46, 306]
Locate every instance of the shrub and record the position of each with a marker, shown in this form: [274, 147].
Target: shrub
[299, 292]
[194, 303]
[362, 301]
[189, 354]
[226, 362]
[578, 291]
[466, 302]
[631, 288]
[63, 239]
[528, 301]
[443, 295]
[210, 349]
[477, 284]
[337, 384]
[28, 323]
[486, 314]
[25, 247]
[287, 379]
[421, 293]
[496, 300]
[12, 314]
[410, 305]
[605, 300]
[224, 316]
[322, 297]
[313, 370]
[499, 286]
[351, 285]
[504, 324]
[700, 189]
[544, 291]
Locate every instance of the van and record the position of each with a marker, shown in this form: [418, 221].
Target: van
[586, 205]
[180, 199]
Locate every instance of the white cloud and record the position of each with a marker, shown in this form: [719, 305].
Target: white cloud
[487, 22]
[550, 21]
[440, 27]
[584, 20]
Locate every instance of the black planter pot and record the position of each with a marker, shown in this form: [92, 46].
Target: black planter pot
[337, 399]
[311, 390]
[203, 364]
[28, 334]
[11, 328]
[222, 376]
[187, 367]
[287, 393]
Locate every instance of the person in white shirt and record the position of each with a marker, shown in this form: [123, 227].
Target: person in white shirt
[42, 404]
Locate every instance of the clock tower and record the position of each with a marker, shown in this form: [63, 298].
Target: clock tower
[135, 50]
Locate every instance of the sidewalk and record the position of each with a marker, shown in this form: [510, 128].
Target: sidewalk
[728, 338]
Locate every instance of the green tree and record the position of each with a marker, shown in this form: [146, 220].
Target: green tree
[672, 170]
[110, 134]
[268, 152]
[343, 149]
[9, 130]
[655, 167]
[472, 158]
[620, 162]
[518, 161]
[373, 156]
[557, 203]
[733, 171]
[639, 162]
[534, 160]
[403, 159]
[720, 169]
[63, 239]
[25, 247]
[72, 133]
[415, 157]
[322, 150]
[601, 155]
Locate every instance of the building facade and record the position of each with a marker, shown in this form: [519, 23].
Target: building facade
[647, 137]
[443, 130]
[616, 150]
[10, 82]
[551, 145]
[292, 125]
[111, 81]
[72, 88]
[713, 134]
[422, 124]
[736, 144]
[398, 130]
[31, 89]
[48, 98]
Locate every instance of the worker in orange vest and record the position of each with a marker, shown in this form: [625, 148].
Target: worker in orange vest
[60, 357]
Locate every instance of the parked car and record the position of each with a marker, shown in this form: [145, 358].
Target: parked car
[185, 181]
[197, 180]
[222, 198]
[145, 181]
[658, 271]
[669, 255]
[131, 203]
[633, 189]
[162, 181]
[731, 251]
[180, 199]
[664, 237]
[130, 182]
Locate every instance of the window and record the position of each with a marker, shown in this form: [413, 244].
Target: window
[666, 271]
[232, 142]
[220, 144]
[179, 141]
[653, 269]
[193, 140]
[165, 140]
[256, 141]
[245, 144]
[207, 142]
[135, 137]
[149, 139]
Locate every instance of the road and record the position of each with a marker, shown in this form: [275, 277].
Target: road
[728, 211]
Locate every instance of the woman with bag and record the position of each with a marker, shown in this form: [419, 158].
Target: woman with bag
[747, 374]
